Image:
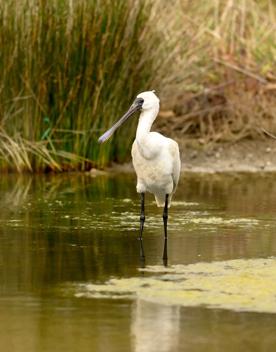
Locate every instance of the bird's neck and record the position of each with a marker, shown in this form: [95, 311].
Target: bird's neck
[146, 120]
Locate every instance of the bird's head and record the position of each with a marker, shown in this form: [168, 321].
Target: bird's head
[144, 101]
[150, 100]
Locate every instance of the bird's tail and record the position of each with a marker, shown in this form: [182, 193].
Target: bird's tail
[160, 200]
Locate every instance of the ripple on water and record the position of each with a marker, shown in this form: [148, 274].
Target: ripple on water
[130, 220]
[240, 285]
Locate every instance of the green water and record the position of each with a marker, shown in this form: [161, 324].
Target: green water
[63, 236]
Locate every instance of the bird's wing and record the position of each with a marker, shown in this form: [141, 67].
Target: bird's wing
[174, 149]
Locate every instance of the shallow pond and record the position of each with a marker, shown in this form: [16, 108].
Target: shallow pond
[71, 278]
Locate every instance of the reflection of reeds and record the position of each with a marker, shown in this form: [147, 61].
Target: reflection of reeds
[48, 232]
[15, 197]
[68, 69]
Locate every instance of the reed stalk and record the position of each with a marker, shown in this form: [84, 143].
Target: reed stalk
[68, 70]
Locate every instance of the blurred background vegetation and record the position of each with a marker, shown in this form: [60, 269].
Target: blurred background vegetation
[69, 69]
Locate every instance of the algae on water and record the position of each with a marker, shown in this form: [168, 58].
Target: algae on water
[240, 285]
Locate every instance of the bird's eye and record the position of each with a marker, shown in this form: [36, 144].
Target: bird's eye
[139, 101]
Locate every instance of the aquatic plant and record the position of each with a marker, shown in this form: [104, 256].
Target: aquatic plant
[239, 285]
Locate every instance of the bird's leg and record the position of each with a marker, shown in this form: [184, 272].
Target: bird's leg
[165, 253]
[142, 255]
[142, 220]
[142, 215]
[165, 216]
[165, 220]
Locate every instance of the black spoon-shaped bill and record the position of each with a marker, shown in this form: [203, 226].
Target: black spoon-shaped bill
[136, 106]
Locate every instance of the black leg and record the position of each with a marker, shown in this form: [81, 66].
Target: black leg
[165, 216]
[142, 221]
[165, 253]
[165, 220]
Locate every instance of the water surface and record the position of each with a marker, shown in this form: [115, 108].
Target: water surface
[63, 237]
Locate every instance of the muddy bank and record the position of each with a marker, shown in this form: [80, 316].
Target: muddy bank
[242, 156]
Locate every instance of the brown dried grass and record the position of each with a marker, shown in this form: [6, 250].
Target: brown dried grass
[229, 92]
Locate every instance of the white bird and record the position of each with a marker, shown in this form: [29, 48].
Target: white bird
[156, 158]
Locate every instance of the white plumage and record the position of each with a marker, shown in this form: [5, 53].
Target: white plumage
[155, 158]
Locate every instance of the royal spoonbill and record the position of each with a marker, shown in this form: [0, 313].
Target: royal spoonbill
[155, 158]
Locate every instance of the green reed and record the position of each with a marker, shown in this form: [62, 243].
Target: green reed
[68, 70]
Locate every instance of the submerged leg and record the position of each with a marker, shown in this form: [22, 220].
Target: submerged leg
[142, 255]
[165, 253]
[142, 221]
[165, 220]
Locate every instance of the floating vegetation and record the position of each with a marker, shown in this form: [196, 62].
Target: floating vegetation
[240, 285]
[221, 221]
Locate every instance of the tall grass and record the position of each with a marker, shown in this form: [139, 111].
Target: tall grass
[68, 70]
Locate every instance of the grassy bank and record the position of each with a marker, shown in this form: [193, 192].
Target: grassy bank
[70, 68]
